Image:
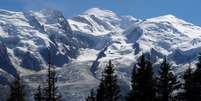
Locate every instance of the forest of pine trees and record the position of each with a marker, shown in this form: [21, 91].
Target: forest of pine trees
[146, 85]
[143, 82]
[149, 86]
[166, 82]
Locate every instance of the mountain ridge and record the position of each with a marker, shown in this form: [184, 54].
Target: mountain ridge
[82, 45]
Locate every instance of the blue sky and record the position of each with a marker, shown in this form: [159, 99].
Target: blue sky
[189, 10]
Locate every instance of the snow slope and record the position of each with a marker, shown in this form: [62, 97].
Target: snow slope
[167, 35]
[82, 45]
[98, 21]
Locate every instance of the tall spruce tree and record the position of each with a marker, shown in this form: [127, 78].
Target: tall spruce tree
[50, 90]
[196, 91]
[17, 92]
[100, 96]
[188, 95]
[91, 97]
[108, 89]
[143, 82]
[132, 94]
[167, 82]
[38, 95]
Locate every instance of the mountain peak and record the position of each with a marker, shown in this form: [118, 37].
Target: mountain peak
[169, 18]
[165, 17]
[99, 12]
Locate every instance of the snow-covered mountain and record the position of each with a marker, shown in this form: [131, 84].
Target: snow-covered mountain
[98, 21]
[82, 45]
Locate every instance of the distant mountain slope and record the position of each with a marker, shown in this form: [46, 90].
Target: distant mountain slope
[27, 36]
[168, 36]
[82, 45]
[98, 21]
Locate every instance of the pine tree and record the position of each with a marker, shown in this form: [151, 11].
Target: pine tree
[100, 96]
[167, 82]
[132, 94]
[188, 85]
[108, 89]
[38, 95]
[196, 91]
[17, 92]
[143, 82]
[91, 97]
[50, 91]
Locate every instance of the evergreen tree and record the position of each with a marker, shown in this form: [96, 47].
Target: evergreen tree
[167, 82]
[132, 94]
[188, 85]
[196, 84]
[100, 96]
[17, 92]
[50, 91]
[108, 89]
[143, 82]
[38, 95]
[91, 97]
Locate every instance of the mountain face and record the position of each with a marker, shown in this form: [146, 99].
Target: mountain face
[82, 45]
[97, 22]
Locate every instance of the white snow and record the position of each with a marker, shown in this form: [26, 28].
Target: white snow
[98, 22]
[87, 55]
